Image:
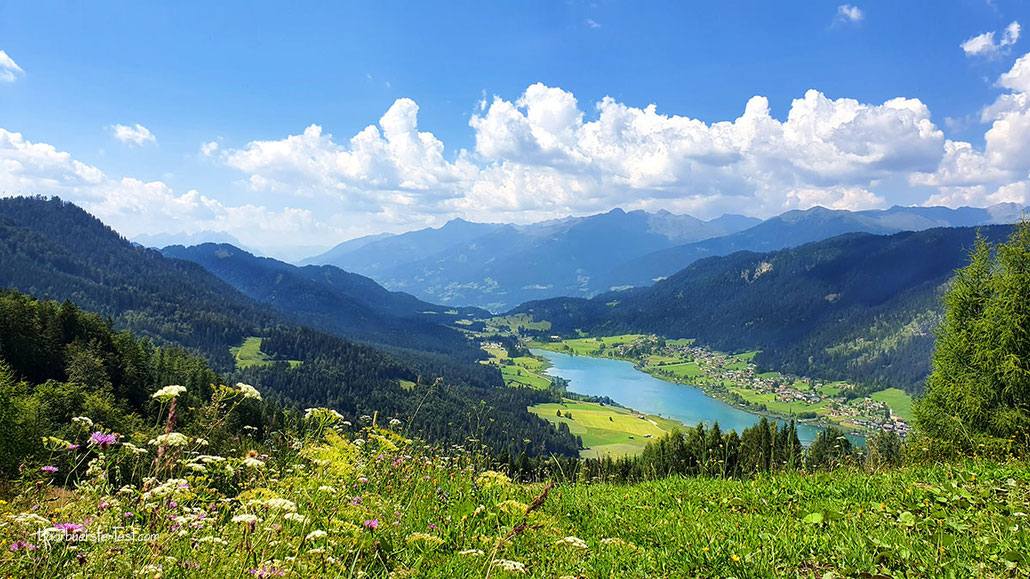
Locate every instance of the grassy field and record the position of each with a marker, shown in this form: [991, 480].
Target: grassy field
[523, 371]
[899, 401]
[686, 370]
[508, 324]
[249, 354]
[324, 506]
[516, 375]
[606, 430]
[588, 346]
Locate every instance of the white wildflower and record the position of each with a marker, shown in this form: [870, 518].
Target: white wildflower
[83, 421]
[315, 535]
[168, 392]
[572, 542]
[171, 439]
[471, 553]
[253, 462]
[29, 520]
[510, 566]
[323, 414]
[296, 517]
[245, 518]
[327, 489]
[248, 391]
[133, 448]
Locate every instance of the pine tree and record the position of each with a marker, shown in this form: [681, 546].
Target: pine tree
[980, 385]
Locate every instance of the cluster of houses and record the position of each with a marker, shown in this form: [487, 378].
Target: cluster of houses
[859, 412]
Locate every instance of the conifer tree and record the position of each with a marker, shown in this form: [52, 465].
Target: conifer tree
[980, 386]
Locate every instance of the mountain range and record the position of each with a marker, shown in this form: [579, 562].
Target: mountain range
[497, 266]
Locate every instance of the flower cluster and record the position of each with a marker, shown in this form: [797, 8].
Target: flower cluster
[168, 392]
[248, 391]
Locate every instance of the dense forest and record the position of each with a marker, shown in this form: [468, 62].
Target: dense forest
[58, 362]
[51, 249]
[336, 301]
[856, 307]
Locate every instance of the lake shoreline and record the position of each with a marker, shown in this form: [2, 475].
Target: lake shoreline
[709, 393]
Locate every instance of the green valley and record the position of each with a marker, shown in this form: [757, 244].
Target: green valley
[734, 379]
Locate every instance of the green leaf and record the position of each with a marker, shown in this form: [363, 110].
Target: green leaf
[814, 518]
[907, 518]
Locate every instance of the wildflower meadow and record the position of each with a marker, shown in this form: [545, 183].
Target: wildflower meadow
[325, 497]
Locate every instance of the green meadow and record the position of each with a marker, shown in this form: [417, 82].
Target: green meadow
[606, 430]
[249, 354]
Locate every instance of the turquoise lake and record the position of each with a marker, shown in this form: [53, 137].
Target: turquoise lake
[623, 383]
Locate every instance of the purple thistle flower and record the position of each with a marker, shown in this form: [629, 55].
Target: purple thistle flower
[371, 524]
[49, 468]
[102, 440]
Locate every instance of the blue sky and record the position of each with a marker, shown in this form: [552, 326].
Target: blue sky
[254, 77]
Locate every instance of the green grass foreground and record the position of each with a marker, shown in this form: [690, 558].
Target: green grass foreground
[364, 502]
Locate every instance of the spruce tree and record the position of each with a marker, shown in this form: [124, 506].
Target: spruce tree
[979, 389]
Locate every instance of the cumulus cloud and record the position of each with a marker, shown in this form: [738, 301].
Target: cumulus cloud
[545, 154]
[985, 44]
[1001, 170]
[136, 135]
[9, 70]
[539, 156]
[389, 164]
[849, 13]
[133, 206]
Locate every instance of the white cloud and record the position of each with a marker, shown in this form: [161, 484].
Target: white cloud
[9, 70]
[985, 45]
[389, 164]
[539, 156]
[136, 135]
[591, 23]
[849, 13]
[134, 207]
[999, 172]
[545, 154]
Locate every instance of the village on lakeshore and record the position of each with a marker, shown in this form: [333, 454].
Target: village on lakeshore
[733, 378]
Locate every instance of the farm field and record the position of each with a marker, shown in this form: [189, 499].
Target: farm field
[606, 430]
[898, 400]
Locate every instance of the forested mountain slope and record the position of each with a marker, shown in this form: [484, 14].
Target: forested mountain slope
[52, 249]
[794, 228]
[55, 250]
[858, 306]
[334, 300]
